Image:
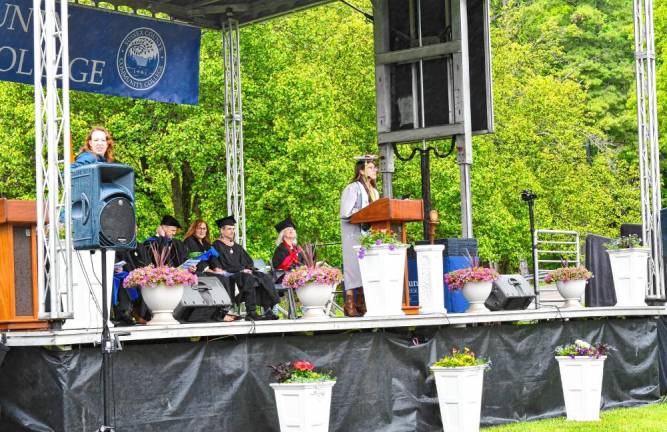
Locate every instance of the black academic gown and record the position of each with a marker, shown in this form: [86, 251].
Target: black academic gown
[178, 253]
[255, 288]
[134, 259]
[192, 244]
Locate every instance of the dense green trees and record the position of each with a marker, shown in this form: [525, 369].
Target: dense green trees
[563, 82]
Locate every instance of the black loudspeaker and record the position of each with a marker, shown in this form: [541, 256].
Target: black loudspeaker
[203, 302]
[420, 86]
[629, 229]
[103, 214]
[510, 292]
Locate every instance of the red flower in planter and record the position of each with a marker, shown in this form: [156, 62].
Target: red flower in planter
[303, 365]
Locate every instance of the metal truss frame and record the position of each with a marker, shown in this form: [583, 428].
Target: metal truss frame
[648, 145]
[234, 126]
[52, 159]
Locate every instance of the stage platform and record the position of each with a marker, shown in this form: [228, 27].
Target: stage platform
[149, 332]
[166, 380]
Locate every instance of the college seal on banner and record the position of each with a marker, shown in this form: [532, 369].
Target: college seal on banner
[141, 59]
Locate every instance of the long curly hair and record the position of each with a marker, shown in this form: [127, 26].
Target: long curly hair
[108, 155]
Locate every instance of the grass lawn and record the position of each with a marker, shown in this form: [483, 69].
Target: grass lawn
[647, 418]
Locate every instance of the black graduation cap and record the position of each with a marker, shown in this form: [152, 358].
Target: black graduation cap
[170, 221]
[285, 224]
[228, 220]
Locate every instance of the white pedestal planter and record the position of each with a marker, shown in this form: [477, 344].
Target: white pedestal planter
[630, 270]
[572, 291]
[460, 397]
[581, 378]
[314, 298]
[431, 284]
[304, 407]
[382, 274]
[476, 293]
[162, 300]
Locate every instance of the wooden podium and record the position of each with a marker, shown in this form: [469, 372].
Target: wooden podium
[392, 214]
[19, 307]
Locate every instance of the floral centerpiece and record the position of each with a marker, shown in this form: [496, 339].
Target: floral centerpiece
[161, 285]
[299, 371]
[582, 348]
[303, 396]
[629, 267]
[375, 238]
[458, 358]
[566, 274]
[624, 242]
[571, 283]
[475, 282]
[315, 283]
[581, 367]
[459, 380]
[457, 279]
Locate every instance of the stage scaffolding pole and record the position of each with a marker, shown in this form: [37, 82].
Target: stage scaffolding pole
[234, 125]
[648, 145]
[52, 159]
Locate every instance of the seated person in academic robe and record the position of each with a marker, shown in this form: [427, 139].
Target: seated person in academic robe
[287, 255]
[197, 243]
[129, 308]
[255, 288]
[164, 238]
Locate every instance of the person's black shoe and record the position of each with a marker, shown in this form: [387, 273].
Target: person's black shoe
[270, 316]
[252, 316]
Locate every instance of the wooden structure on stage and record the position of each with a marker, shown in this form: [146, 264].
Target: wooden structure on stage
[18, 260]
[391, 215]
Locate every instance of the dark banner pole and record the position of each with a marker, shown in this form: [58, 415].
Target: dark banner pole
[107, 349]
[426, 189]
[529, 197]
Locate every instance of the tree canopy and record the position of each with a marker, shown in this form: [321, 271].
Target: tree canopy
[564, 126]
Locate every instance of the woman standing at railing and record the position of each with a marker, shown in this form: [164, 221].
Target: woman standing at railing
[98, 148]
[356, 195]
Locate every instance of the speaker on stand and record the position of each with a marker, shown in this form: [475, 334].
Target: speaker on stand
[103, 217]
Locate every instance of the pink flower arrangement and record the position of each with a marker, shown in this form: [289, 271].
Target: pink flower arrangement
[566, 274]
[456, 279]
[150, 276]
[321, 274]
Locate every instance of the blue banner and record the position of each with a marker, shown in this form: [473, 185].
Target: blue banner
[110, 53]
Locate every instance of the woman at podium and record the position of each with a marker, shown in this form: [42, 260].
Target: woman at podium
[358, 194]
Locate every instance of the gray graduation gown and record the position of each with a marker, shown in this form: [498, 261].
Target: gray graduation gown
[353, 199]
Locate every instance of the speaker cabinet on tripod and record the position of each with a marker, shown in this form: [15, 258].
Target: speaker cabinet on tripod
[19, 308]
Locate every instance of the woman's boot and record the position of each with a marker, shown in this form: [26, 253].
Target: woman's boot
[361, 302]
[350, 308]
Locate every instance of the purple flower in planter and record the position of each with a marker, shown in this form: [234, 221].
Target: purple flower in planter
[378, 242]
[392, 247]
[362, 253]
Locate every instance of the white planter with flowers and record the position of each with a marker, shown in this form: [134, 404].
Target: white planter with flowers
[581, 367]
[314, 283]
[460, 392]
[629, 267]
[314, 298]
[382, 270]
[572, 291]
[162, 300]
[304, 405]
[161, 286]
[476, 293]
[476, 284]
[571, 284]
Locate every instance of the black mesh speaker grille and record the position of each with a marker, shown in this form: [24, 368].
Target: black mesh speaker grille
[117, 223]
